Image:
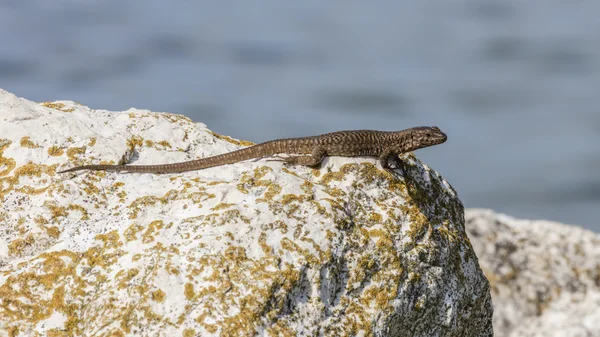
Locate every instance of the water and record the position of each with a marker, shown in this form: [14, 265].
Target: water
[514, 84]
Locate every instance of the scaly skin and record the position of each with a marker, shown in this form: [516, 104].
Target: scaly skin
[309, 151]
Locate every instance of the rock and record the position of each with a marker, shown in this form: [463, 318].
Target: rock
[252, 248]
[545, 276]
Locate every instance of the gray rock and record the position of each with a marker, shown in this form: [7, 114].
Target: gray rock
[545, 276]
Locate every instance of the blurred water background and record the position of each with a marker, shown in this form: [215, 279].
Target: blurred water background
[514, 84]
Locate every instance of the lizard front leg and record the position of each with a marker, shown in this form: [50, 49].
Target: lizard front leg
[385, 156]
[391, 153]
[313, 159]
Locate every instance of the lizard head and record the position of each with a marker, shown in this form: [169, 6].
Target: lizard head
[425, 136]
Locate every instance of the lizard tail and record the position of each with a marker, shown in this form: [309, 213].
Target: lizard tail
[256, 151]
[95, 168]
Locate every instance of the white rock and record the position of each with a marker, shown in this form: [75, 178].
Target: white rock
[252, 248]
[545, 276]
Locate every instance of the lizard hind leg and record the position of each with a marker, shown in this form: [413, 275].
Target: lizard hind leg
[311, 160]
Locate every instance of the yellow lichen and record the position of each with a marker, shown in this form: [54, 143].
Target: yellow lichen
[4, 144]
[158, 296]
[130, 233]
[134, 141]
[151, 230]
[231, 140]
[53, 232]
[221, 206]
[57, 106]
[124, 277]
[164, 144]
[176, 118]
[189, 333]
[188, 291]
[27, 142]
[18, 245]
[55, 151]
[6, 165]
[141, 202]
[289, 245]
[73, 152]
[81, 209]
[55, 210]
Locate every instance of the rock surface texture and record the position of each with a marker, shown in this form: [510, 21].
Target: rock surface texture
[248, 249]
[545, 276]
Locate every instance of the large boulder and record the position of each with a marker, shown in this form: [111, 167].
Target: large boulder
[251, 248]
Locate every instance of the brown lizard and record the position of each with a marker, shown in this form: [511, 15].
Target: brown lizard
[310, 151]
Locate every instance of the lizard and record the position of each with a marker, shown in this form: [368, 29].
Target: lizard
[307, 151]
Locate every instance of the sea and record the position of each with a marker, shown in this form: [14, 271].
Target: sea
[514, 84]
